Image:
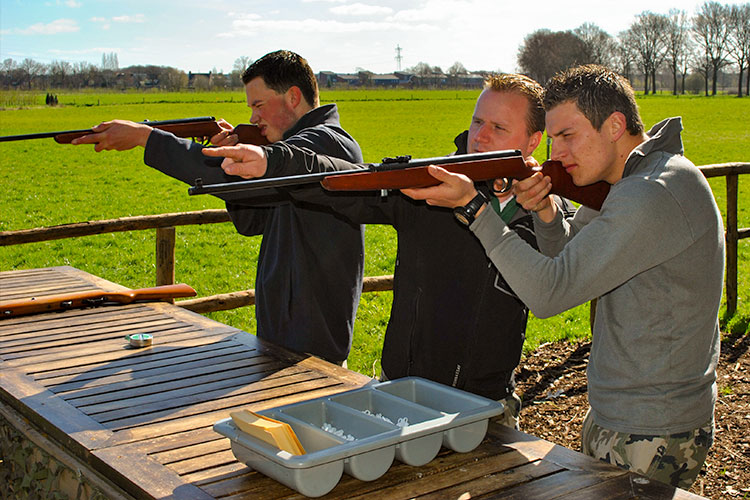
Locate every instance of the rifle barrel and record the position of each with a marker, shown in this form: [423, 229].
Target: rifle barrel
[81, 132]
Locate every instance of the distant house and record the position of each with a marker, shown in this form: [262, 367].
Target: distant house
[328, 79]
[199, 80]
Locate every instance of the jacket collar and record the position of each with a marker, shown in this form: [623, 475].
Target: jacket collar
[327, 114]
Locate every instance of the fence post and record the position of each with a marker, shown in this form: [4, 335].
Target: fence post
[732, 239]
[165, 239]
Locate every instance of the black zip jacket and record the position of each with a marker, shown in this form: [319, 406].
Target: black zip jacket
[311, 261]
[454, 320]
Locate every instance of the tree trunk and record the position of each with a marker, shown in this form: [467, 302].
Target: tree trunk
[715, 77]
[739, 87]
[653, 81]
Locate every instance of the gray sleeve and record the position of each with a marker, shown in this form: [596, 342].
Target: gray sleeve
[623, 240]
[553, 236]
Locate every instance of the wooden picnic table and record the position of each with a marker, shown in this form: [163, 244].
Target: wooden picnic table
[137, 423]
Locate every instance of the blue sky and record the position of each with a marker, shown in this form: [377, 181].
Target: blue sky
[334, 35]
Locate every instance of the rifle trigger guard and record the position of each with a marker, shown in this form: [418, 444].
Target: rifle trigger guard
[94, 302]
[506, 186]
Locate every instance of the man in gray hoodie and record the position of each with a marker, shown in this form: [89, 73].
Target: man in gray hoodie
[654, 255]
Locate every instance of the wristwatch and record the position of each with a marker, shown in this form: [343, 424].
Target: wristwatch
[468, 212]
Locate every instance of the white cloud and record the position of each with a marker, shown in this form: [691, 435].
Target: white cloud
[53, 28]
[319, 26]
[138, 18]
[360, 9]
[73, 4]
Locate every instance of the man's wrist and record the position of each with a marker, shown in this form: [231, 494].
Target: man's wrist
[467, 213]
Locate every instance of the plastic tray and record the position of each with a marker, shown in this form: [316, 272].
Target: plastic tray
[369, 431]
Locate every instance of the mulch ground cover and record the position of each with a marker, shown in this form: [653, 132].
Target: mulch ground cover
[552, 383]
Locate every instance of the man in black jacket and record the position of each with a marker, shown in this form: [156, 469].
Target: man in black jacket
[454, 319]
[309, 275]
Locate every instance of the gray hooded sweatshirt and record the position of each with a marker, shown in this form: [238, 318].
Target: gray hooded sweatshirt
[654, 255]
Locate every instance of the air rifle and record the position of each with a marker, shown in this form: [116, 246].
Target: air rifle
[204, 126]
[92, 298]
[404, 172]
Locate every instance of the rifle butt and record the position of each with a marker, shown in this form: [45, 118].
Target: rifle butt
[592, 195]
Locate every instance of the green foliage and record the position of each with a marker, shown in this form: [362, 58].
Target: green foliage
[47, 184]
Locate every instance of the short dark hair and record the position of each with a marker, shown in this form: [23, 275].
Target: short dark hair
[282, 70]
[530, 89]
[597, 92]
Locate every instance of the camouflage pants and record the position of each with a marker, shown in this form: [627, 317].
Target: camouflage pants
[674, 459]
[510, 416]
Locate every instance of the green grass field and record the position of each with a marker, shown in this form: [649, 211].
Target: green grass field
[47, 184]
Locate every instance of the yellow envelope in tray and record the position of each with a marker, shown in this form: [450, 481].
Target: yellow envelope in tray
[273, 432]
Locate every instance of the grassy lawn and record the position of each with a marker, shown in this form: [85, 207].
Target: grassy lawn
[46, 184]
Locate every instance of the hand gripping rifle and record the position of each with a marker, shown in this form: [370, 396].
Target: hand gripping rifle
[404, 172]
[92, 298]
[204, 126]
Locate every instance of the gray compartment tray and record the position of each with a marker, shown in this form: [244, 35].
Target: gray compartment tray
[361, 431]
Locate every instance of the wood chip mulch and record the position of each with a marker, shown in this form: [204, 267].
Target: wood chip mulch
[552, 384]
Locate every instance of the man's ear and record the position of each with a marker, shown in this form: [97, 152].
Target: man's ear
[617, 125]
[534, 141]
[294, 96]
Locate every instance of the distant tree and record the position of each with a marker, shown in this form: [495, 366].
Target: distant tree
[9, 73]
[59, 72]
[455, 71]
[700, 62]
[365, 77]
[30, 71]
[241, 64]
[647, 42]
[173, 79]
[676, 39]
[711, 32]
[83, 74]
[239, 67]
[543, 53]
[422, 71]
[600, 46]
[624, 55]
[739, 41]
[109, 62]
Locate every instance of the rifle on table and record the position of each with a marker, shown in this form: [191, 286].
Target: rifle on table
[403, 172]
[92, 298]
[204, 126]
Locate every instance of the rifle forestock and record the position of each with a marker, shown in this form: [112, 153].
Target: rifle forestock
[92, 299]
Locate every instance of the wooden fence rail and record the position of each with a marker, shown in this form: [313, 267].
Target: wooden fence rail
[165, 242]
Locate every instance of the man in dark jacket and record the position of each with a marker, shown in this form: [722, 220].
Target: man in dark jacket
[309, 275]
[454, 319]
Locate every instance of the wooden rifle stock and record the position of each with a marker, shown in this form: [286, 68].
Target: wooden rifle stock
[204, 126]
[92, 299]
[403, 172]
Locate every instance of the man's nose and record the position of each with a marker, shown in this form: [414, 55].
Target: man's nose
[483, 133]
[556, 151]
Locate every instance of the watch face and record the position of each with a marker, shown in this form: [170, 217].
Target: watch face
[462, 216]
